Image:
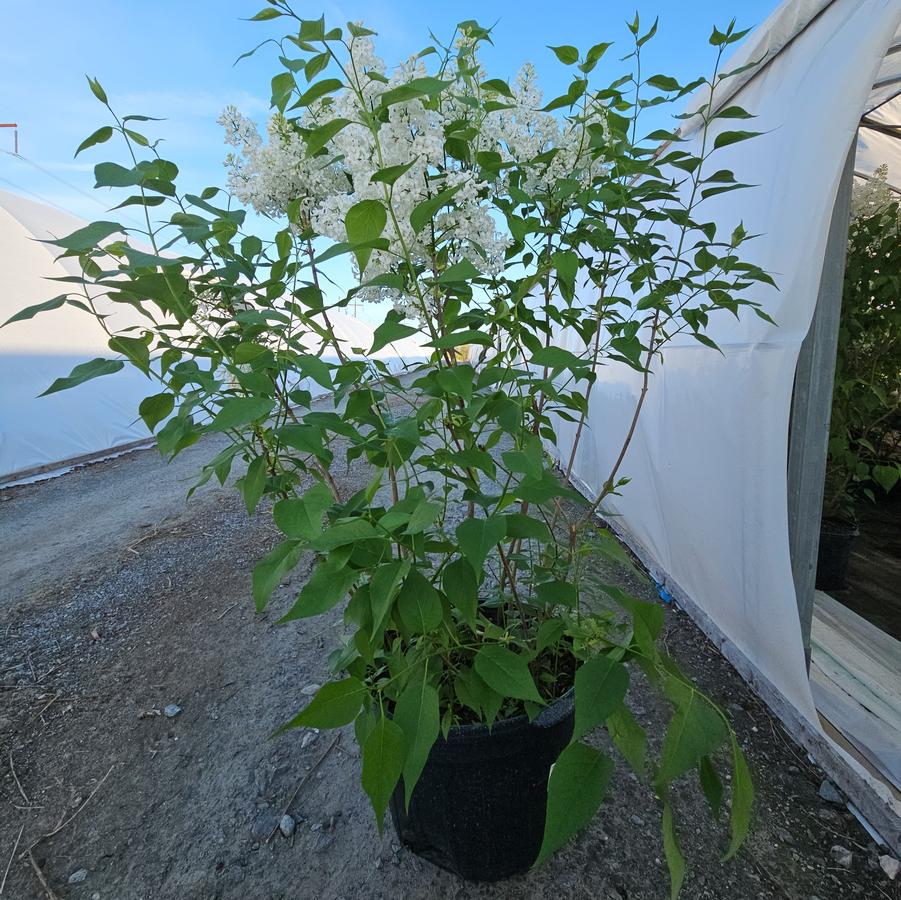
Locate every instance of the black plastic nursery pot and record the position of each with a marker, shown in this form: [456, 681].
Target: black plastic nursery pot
[836, 541]
[479, 806]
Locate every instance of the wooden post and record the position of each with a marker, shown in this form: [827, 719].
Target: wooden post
[811, 409]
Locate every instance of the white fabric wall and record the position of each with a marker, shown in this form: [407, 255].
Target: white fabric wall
[708, 499]
[101, 414]
[96, 416]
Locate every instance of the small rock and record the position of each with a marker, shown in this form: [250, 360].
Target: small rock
[95, 895]
[78, 876]
[287, 825]
[785, 836]
[310, 689]
[829, 815]
[842, 856]
[308, 739]
[263, 825]
[794, 770]
[171, 711]
[890, 866]
[325, 841]
[637, 820]
[829, 792]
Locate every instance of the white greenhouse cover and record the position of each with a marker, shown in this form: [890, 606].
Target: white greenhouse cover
[96, 416]
[100, 415]
[708, 499]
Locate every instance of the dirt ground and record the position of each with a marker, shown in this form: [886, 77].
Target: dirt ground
[118, 599]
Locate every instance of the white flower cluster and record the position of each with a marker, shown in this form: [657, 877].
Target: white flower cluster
[870, 196]
[523, 132]
[270, 175]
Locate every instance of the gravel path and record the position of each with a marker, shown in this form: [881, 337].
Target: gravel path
[119, 599]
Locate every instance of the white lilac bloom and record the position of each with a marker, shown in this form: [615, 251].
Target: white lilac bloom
[269, 175]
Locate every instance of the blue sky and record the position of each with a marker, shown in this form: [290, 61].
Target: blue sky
[175, 59]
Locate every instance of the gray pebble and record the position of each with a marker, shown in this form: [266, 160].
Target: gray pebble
[287, 825]
[637, 820]
[171, 711]
[842, 856]
[829, 792]
[263, 825]
[310, 689]
[78, 876]
[890, 866]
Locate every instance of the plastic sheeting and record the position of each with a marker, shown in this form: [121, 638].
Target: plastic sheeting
[99, 415]
[708, 497]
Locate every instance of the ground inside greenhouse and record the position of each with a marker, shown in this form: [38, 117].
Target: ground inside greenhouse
[119, 599]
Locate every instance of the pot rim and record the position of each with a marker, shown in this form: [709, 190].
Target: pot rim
[553, 713]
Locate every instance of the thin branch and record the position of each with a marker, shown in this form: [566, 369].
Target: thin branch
[11, 857]
[12, 769]
[37, 871]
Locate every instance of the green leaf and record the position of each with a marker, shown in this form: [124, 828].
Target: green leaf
[390, 174]
[521, 526]
[885, 476]
[342, 533]
[477, 537]
[320, 136]
[733, 112]
[264, 14]
[155, 408]
[664, 83]
[629, 738]
[391, 330]
[557, 593]
[110, 174]
[335, 704]
[383, 588]
[328, 585]
[458, 338]
[497, 86]
[271, 569]
[413, 89]
[84, 372]
[383, 761]
[461, 587]
[89, 237]
[725, 138]
[674, 860]
[742, 799]
[417, 715]
[236, 412]
[558, 358]
[461, 271]
[423, 212]
[566, 54]
[254, 483]
[96, 89]
[711, 785]
[418, 605]
[100, 136]
[31, 311]
[575, 790]
[134, 349]
[506, 672]
[695, 731]
[301, 517]
[319, 89]
[365, 221]
[601, 684]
